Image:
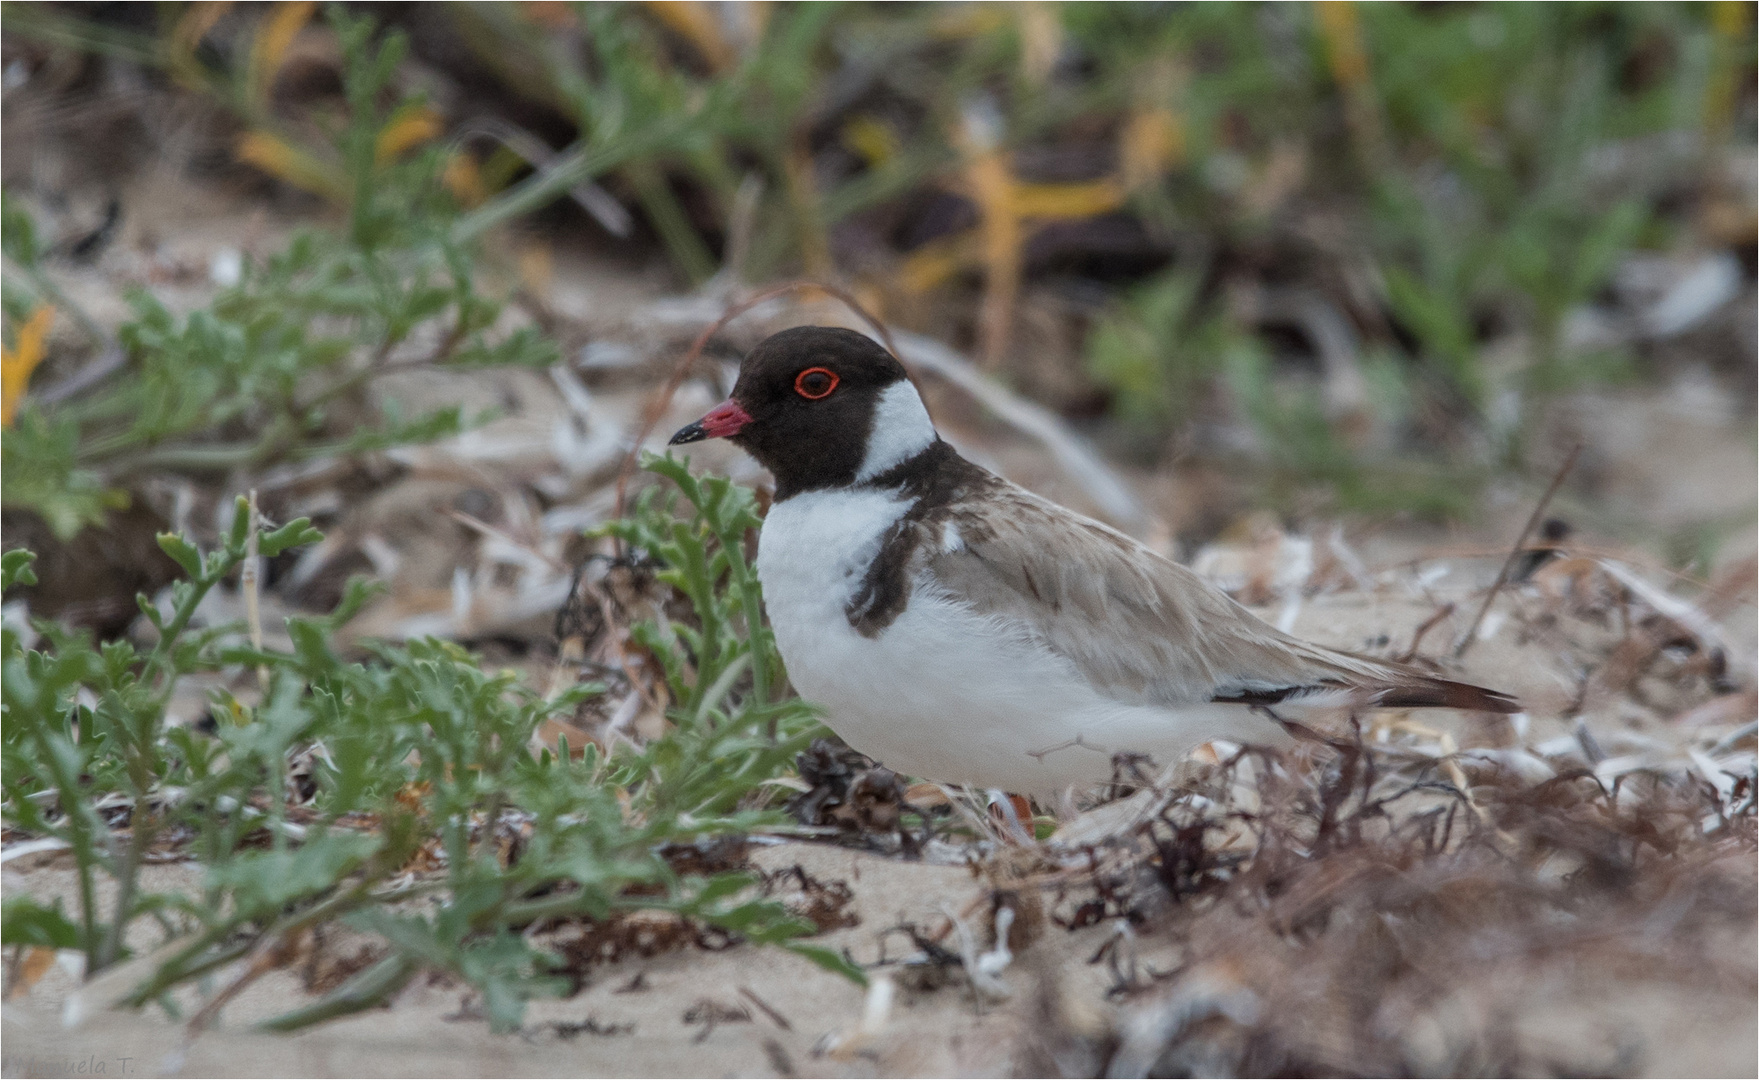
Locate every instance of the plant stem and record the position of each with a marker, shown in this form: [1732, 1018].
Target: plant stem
[199, 589]
[371, 987]
[88, 901]
[1508, 565]
[581, 163]
[83, 35]
[722, 684]
[127, 873]
[174, 971]
[378, 366]
[751, 599]
[686, 247]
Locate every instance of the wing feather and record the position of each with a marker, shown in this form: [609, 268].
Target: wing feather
[1144, 629]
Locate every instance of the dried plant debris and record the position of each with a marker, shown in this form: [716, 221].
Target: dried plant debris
[825, 904]
[828, 767]
[608, 595]
[707, 855]
[711, 1013]
[585, 943]
[928, 963]
[569, 1030]
[327, 966]
[851, 792]
[1363, 916]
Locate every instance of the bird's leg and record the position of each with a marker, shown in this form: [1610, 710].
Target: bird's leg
[1293, 727]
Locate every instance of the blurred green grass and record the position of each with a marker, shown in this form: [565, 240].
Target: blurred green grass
[1441, 177]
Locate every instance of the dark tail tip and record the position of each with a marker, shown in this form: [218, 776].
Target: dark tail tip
[1447, 694]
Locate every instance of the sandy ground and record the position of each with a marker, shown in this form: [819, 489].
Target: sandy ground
[774, 1013]
[1592, 1016]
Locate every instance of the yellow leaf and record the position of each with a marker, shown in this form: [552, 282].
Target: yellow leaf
[32, 966]
[936, 261]
[187, 36]
[1731, 46]
[196, 21]
[696, 23]
[992, 185]
[1342, 34]
[1059, 202]
[17, 363]
[464, 180]
[275, 156]
[1728, 17]
[1153, 141]
[268, 50]
[410, 127]
[1341, 30]
[997, 245]
[537, 267]
[873, 139]
[954, 21]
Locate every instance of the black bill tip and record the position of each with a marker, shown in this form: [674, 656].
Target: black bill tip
[689, 433]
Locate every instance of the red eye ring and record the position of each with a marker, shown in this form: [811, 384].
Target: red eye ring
[801, 388]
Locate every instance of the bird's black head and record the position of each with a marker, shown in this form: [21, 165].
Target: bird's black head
[819, 407]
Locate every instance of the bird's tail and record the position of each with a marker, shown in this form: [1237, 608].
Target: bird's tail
[1429, 692]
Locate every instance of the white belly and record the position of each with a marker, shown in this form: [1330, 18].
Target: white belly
[943, 693]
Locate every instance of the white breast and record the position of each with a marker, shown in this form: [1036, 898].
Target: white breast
[942, 692]
[813, 551]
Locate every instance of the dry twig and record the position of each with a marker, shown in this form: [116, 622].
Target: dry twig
[1508, 565]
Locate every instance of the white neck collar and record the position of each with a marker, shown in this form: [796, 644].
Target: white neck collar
[901, 430]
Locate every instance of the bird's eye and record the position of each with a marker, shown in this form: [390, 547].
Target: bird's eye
[815, 383]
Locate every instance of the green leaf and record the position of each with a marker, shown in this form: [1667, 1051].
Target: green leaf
[240, 534]
[18, 233]
[151, 611]
[829, 959]
[296, 533]
[24, 921]
[15, 568]
[411, 935]
[184, 553]
[40, 470]
[262, 882]
[355, 593]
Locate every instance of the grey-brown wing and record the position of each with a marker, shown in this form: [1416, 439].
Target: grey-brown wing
[1144, 629]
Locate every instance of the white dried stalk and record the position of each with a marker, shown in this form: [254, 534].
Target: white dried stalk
[249, 575]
